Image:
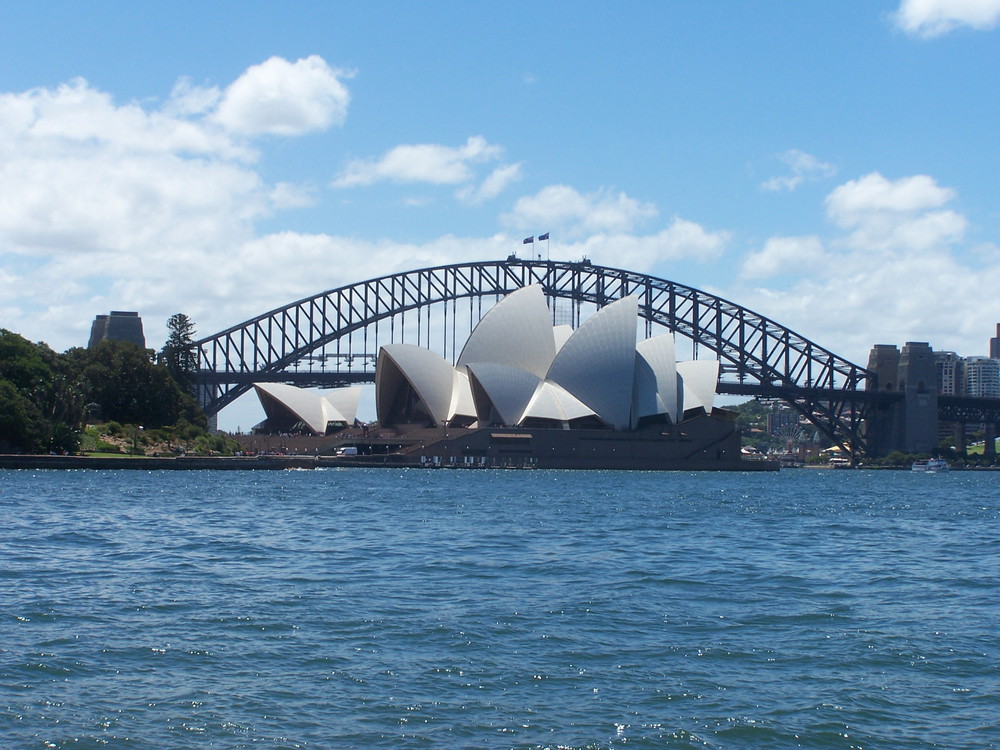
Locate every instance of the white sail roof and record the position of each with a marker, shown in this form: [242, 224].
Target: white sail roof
[509, 389]
[553, 402]
[345, 401]
[517, 366]
[462, 404]
[315, 411]
[597, 363]
[699, 377]
[429, 374]
[656, 387]
[561, 335]
[516, 332]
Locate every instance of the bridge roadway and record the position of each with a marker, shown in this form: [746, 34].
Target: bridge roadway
[758, 356]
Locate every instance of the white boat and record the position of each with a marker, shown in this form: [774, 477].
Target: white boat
[931, 465]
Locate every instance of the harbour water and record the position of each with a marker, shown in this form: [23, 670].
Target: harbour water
[519, 609]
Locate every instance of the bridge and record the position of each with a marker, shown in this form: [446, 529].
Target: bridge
[332, 338]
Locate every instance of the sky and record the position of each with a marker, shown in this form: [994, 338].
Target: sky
[833, 166]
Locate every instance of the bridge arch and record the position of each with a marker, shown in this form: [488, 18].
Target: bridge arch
[758, 355]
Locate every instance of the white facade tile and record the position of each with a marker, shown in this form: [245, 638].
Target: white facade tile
[515, 332]
[700, 379]
[597, 363]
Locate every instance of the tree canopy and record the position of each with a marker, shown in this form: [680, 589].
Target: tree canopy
[176, 353]
[44, 396]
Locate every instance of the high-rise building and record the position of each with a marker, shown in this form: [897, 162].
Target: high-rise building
[118, 326]
[995, 344]
[982, 377]
[950, 373]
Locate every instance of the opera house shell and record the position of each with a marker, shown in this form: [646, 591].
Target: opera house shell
[526, 394]
[295, 410]
[518, 370]
[526, 391]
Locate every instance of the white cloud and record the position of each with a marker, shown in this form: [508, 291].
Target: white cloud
[682, 240]
[75, 119]
[904, 214]
[106, 205]
[803, 167]
[187, 99]
[492, 186]
[931, 18]
[423, 162]
[560, 207]
[874, 192]
[783, 255]
[851, 305]
[279, 97]
[892, 271]
[288, 195]
[98, 202]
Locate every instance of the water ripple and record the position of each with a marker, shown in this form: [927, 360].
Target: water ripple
[419, 609]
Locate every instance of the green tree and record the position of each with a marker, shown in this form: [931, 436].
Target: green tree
[43, 395]
[41, 406]
[177, 354]
[23, 366]
[22, 427]
[130, 388]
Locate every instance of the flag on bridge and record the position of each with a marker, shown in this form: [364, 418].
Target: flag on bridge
[543, 236]
[528, 241]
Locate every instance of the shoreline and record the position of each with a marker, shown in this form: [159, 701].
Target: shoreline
[155, 463]
[264, 463]
[285, 462]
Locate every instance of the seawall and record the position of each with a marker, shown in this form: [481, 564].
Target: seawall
[149, 463]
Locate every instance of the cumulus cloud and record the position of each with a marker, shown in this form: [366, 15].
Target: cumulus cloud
[82, 174]
[682, 240]
[279, 97]
[905, 214]
[784, 254]
[423, 162]
[892, 268]
[576, 214]
[77, 119]
[803, 167]
[931, 18]
[106, 204]
[851, 305]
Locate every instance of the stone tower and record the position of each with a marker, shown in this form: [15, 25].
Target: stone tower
[908, 422]
[118, 326]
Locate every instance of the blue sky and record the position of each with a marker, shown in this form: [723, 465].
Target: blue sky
[831, 165]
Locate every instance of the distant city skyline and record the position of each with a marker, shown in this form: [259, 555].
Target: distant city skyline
[831, 166]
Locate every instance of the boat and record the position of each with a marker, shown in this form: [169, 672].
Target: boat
[931, 465]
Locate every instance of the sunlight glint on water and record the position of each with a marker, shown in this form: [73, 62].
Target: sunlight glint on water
[423, 609]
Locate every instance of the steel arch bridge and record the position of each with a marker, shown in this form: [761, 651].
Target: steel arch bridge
[758, 356]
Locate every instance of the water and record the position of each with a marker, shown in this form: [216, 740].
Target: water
[450, 609]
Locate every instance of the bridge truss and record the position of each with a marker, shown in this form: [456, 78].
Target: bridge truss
[345, 326]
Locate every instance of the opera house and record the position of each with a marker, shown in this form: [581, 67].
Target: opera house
[291, 409]
[525, 393]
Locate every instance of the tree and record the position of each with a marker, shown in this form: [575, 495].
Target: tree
[177, 354]
[41, 406]
[43, 395]
[21, 425]
[130, 388]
